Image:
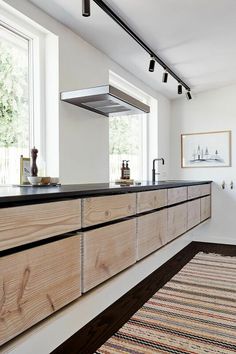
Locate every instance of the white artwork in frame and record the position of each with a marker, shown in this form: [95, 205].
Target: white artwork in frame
[209, 149]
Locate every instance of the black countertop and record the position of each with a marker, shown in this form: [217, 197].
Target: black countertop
[23, 195]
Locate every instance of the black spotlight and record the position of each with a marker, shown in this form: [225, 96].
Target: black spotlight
[165, 77]
[180, 89]
[86, 8]
[152, 65]
[188, 95]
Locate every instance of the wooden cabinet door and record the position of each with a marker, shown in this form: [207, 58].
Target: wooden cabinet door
[98, 210]
[205, 189]
[107, 251]
[177, 195]
[194, 211]
[198, 191]
[205, 208]
[151, 200]
[194, 192]
[37, 282]
[177, 221]
[151, 232]
[29, 223]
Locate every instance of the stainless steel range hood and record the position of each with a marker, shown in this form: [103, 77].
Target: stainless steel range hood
[106, 100]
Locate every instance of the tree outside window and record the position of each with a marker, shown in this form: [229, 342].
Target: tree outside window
[14, 104]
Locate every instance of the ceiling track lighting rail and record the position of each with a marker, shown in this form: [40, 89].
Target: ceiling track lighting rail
[127, 29]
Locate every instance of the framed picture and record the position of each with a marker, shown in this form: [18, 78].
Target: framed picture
[210, 149]
[24, 169]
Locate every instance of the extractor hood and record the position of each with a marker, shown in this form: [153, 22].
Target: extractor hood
[106, 100]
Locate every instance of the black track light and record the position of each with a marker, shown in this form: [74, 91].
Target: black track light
[180, 89]
[86, 8]
[152, 65]
[165, 77]
[188, 95]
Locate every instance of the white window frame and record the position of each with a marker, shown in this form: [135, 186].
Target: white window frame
[150, 124]
[12, 21]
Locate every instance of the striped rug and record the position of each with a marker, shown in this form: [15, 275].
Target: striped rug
[195, 312]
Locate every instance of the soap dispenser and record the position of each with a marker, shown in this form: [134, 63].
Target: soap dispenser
[127, 170]
[123, 170]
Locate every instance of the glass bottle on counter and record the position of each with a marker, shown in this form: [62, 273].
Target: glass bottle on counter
[123, 170]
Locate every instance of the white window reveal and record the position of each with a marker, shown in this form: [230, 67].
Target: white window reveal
[15, 118]
[28, 73]
[129, 136]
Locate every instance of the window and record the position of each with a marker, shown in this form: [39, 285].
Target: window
[14, 103]
[129, 136]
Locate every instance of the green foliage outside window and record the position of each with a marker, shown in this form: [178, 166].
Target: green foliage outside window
[14, 118]
[124, 135]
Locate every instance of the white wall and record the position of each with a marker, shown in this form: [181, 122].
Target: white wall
[83, 135]
[210, 111]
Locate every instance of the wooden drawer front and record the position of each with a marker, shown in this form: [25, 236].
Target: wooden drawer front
[24, 224]
[103, 209]
[177, 221]
[177, 195]
[151, 200]
[107, 251]
[205, 189]
[37, 282]
[151, 232]
[205, 208]
[198, 191]
[194, 208]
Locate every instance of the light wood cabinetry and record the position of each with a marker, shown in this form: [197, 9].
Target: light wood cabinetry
[37, 282]
[151, 232]
[199, 191]
[205, 208]
[177, 221]
[151, 200]
[194, 211]
[106, 251]
[99, 210]
[24, 224]
[177, 195]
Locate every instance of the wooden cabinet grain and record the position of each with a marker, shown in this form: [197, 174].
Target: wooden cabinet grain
[176, 221]
[107, 251]
[194, 211]
[151, 232]
[29, 223]
[198, 191]
[37, 282]
[205, 208]
[99, 210]
[151, 200]
[177, 195]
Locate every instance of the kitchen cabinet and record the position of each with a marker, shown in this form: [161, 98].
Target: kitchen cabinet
[177, 195]
[199, 191]
[98, 210]
[205, 208]
[176, 221]
[107, 251]
[194, 211]
[43, 269]
[151, 232]
[29, 223]
[151, 200]
[37, 282]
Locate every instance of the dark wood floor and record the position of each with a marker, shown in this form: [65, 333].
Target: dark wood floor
[88, 339]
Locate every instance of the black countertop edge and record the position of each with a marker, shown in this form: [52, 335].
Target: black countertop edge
[11, 195]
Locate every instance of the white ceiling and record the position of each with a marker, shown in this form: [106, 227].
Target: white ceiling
[197, 38]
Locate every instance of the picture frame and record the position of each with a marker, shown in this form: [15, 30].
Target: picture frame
[24, 169]
[206, 149]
